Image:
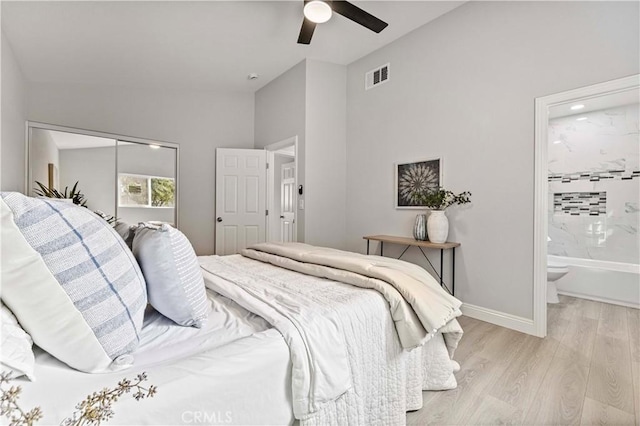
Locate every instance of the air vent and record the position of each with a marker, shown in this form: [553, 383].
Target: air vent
[376, 77]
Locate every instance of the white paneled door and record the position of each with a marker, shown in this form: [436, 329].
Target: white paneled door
[287, 202]
[240, 199]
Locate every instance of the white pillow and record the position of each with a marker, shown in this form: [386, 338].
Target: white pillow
[16, 349]
[71, 282]
[175, 285]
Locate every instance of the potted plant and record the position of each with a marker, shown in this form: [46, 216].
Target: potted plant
[75, 196]
[437, 201]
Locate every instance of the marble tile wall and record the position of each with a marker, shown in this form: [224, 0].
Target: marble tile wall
[597, 154]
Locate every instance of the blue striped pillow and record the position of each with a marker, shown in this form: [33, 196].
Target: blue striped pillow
[70, 280]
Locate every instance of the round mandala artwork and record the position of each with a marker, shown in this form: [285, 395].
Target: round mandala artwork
[415, 178]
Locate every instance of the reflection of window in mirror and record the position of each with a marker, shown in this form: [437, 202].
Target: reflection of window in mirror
[145, 191]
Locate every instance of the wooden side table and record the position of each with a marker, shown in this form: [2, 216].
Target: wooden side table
[411, 242]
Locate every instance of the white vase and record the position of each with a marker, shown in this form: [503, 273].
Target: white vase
[437, 226]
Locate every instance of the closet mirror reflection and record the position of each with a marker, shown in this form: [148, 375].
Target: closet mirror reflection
[146, 183]
[131, 179]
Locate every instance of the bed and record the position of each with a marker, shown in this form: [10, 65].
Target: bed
[289, 333]
[234, 370]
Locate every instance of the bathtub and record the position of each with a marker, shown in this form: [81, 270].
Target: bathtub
[604, 281]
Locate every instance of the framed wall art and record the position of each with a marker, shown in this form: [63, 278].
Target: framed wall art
[416, 177]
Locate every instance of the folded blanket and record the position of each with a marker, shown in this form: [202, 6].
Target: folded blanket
[307, 321]
[418, 305]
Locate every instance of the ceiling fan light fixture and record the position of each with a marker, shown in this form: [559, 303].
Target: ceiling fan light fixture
[317, 11]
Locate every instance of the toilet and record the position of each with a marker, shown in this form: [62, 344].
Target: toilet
[555, 271]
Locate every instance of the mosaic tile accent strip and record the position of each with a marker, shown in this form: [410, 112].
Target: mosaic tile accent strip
[580, 203]
[594, 176]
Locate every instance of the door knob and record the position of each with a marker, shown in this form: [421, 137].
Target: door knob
[281, 217]
[219, 219]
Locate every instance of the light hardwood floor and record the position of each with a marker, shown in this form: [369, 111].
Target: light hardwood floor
[586, 371]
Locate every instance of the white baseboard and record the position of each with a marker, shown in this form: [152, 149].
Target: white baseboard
[600, 299]
[502, 319]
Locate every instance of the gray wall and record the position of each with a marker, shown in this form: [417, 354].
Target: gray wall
[280, 113]
[309, 101]
[42, 152]
[94, 169]
[198, 121]
[462, 88]
[14, 115]
[325, 155]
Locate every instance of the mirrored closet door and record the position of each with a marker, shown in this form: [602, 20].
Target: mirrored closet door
[131, 179]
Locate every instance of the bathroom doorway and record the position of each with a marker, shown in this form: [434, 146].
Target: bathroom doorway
[586, 163]
[283, 192]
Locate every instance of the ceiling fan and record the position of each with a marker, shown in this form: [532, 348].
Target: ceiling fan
[319, 11]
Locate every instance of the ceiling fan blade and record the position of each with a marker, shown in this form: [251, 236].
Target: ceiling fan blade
[358, 15]
[306, 31]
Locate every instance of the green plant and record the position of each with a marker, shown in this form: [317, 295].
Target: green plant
[75, 195]
[111, 220]
[441, 198]
[162, 192]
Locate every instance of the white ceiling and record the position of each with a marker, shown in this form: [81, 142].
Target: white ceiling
[597, 103]
[201, 45]
[65, 140]
[289, 151]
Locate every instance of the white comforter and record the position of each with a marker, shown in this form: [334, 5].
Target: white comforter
[418, 304]
[345, 352]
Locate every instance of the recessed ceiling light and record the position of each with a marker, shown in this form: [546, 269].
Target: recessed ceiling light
[581, 119]
[577, 107]
[557, 142]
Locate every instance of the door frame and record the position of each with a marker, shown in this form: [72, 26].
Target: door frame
[541, 184]
[271, 150]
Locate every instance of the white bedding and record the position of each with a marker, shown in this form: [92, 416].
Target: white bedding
[163, 341]
[235, 370]
[238, 370]
[417, 303]
[361, 360]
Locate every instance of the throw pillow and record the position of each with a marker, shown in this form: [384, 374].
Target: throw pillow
[70, 281]
[174, 279]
